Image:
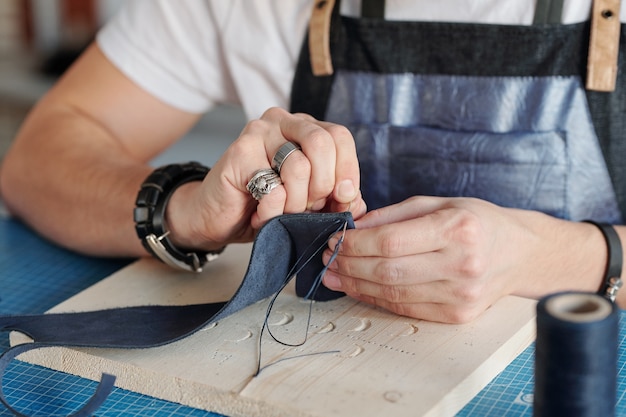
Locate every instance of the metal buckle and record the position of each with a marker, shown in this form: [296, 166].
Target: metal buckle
[159, 250]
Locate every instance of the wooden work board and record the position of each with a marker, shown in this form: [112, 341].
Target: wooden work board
[357, 361]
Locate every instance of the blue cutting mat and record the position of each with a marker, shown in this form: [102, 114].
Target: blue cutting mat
[36, 275]
[511, 392]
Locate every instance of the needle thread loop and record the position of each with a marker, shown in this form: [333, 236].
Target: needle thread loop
[317, 282]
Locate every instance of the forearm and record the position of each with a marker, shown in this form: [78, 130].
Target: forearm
[74, 183]
[567, 256]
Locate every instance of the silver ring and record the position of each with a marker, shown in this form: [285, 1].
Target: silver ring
[263, 182]
[281, 155]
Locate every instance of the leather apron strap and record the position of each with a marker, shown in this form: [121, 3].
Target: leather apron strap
[603, 45]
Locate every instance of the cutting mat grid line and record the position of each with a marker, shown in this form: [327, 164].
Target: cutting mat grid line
[38, 391]
[35, 275]
[33, 387]
[511, 392]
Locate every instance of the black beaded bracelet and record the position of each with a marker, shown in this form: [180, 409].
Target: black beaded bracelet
[612, 276]
[149, 215]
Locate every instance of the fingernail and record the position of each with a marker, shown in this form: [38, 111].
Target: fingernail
[346, 191]
[331, 281]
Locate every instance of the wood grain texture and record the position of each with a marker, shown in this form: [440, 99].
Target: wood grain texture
[361, 360]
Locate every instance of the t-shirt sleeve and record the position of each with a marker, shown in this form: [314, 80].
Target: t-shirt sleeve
[170, 49]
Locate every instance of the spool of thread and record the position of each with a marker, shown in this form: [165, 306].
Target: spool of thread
[576, 356]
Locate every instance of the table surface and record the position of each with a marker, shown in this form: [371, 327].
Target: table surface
[35, 275]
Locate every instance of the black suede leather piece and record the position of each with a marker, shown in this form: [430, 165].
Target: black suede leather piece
[285, 245]
[131, 327]
[316, 240]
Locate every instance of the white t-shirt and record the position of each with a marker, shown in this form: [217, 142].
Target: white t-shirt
[194, 54]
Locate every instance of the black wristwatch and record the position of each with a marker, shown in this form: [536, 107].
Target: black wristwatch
[149, 215]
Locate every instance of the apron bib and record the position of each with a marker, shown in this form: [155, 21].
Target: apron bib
[496, 112]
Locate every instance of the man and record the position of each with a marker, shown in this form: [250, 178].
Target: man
[470, 104]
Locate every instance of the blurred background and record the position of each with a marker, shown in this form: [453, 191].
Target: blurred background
[39, 39]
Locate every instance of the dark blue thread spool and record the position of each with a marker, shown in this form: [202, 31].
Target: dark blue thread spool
[576, 356]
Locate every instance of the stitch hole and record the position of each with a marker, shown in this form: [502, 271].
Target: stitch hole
[607, 14]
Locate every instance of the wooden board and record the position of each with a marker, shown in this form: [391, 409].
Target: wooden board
[358, 360]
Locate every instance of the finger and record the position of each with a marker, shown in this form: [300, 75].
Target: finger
[305, 116]
[319, 147]
[357, 207]
[295, 174]
[256, 147]
[270, 206]
[410, 208]
[406, 270]
[437, 291]
[259, 142]
[435, 312]
[438, 309]
[246, 155]
[415, 236]
[347, 173]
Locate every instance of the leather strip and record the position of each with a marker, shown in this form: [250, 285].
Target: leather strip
[612, 281]
[319, 37]
[603, 45]
[285, 245]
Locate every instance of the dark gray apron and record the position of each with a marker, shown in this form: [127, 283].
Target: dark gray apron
[497, 112]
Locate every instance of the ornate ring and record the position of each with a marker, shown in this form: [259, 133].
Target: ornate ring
[282, 154]
[263, 182]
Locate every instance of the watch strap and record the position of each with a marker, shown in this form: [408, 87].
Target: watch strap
[612, 281]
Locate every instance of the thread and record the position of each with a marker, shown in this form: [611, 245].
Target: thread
[576, 356]
[317, 282]
[125, 327]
